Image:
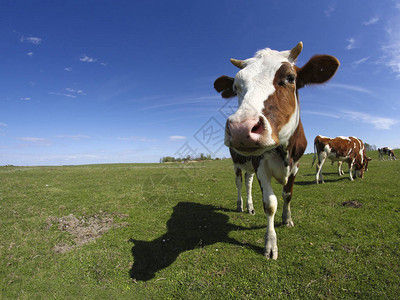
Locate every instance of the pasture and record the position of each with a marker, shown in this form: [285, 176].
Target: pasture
[169, 231]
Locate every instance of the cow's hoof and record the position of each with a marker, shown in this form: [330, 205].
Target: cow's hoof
[271, 253]
[288, 224]
[252, 212]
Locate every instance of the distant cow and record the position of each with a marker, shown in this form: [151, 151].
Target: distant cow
[243, 163]
[386, 151]
[340, 149]
[266, 129]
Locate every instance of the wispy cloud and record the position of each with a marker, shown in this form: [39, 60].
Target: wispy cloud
[35, 140]
[88, 59]
[330, 115]
[352, 44]
[391, 50]
[136, 138]
[31, 39]
[73, 137]
[3, 125]
[330, 10]
[371, 21]
[68, 69]
[377, 122]
[71, 93]
[177, 138]
[354, 88]
[30, 54]
[25, 98]
[62, 94]
[360, 61]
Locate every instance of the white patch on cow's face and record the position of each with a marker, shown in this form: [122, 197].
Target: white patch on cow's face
[287, 130]
[254, 84]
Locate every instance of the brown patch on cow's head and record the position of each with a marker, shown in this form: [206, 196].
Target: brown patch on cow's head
[281, 105]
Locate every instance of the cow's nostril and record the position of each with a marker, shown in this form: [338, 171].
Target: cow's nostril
[258, 128]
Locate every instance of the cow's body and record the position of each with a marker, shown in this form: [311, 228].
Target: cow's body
[386, 151]
[266, 130]
[340, 149]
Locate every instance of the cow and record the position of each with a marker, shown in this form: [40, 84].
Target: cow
[266, 129]
[340, 149]
[243, 164]
[386, 151]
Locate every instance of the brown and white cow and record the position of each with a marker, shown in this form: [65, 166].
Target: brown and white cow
[243, 164]
[266, 128]
[340, 149]
[386, 151]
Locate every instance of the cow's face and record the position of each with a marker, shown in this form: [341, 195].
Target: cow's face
[266, 86]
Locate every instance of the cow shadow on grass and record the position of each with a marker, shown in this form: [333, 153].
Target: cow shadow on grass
[312, 182]
[191, 226]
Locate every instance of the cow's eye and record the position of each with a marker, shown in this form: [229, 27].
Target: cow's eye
[290, 78]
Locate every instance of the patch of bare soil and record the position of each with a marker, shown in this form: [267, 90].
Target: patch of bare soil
[84, 229]
[352, 203]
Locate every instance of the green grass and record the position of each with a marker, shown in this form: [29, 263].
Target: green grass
[178, 236]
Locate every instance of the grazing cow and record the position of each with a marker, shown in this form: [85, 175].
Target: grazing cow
[266, 128]
[340, 149]
[386, 151]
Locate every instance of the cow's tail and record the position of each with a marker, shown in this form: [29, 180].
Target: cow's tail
[315, 154]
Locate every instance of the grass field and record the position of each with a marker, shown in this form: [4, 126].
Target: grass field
[169, 231]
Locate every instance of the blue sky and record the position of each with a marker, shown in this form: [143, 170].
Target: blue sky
[131, 81]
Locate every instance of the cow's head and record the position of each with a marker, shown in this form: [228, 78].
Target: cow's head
[266, 86]
[360, 165]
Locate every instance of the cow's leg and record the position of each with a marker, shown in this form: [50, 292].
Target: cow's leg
[321, 161]
[249, 182]
[270, 203]
[238, 181]
[341, 172]
[287, 197]
[351, 164]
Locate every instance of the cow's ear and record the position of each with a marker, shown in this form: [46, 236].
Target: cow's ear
[319, 69]
[224, 85]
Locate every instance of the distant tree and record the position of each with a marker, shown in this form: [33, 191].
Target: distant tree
[369, 147]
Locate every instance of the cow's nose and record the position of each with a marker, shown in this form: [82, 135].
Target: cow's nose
[245, 134]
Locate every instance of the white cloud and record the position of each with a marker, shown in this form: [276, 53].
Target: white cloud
[3, 125]
[352, 44]
[377, 122]
[68, 69]
[73, 137]
[136, 138]
[330, 10]
[26, 98]
[354, 88]
[88, 59]
[360, 61]
[391, 50]
[30, 54]
[371, 21]
[177, 138]
[35, 140]
[62, 94]
[321, 114]
[31, 39]
[71, 93]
